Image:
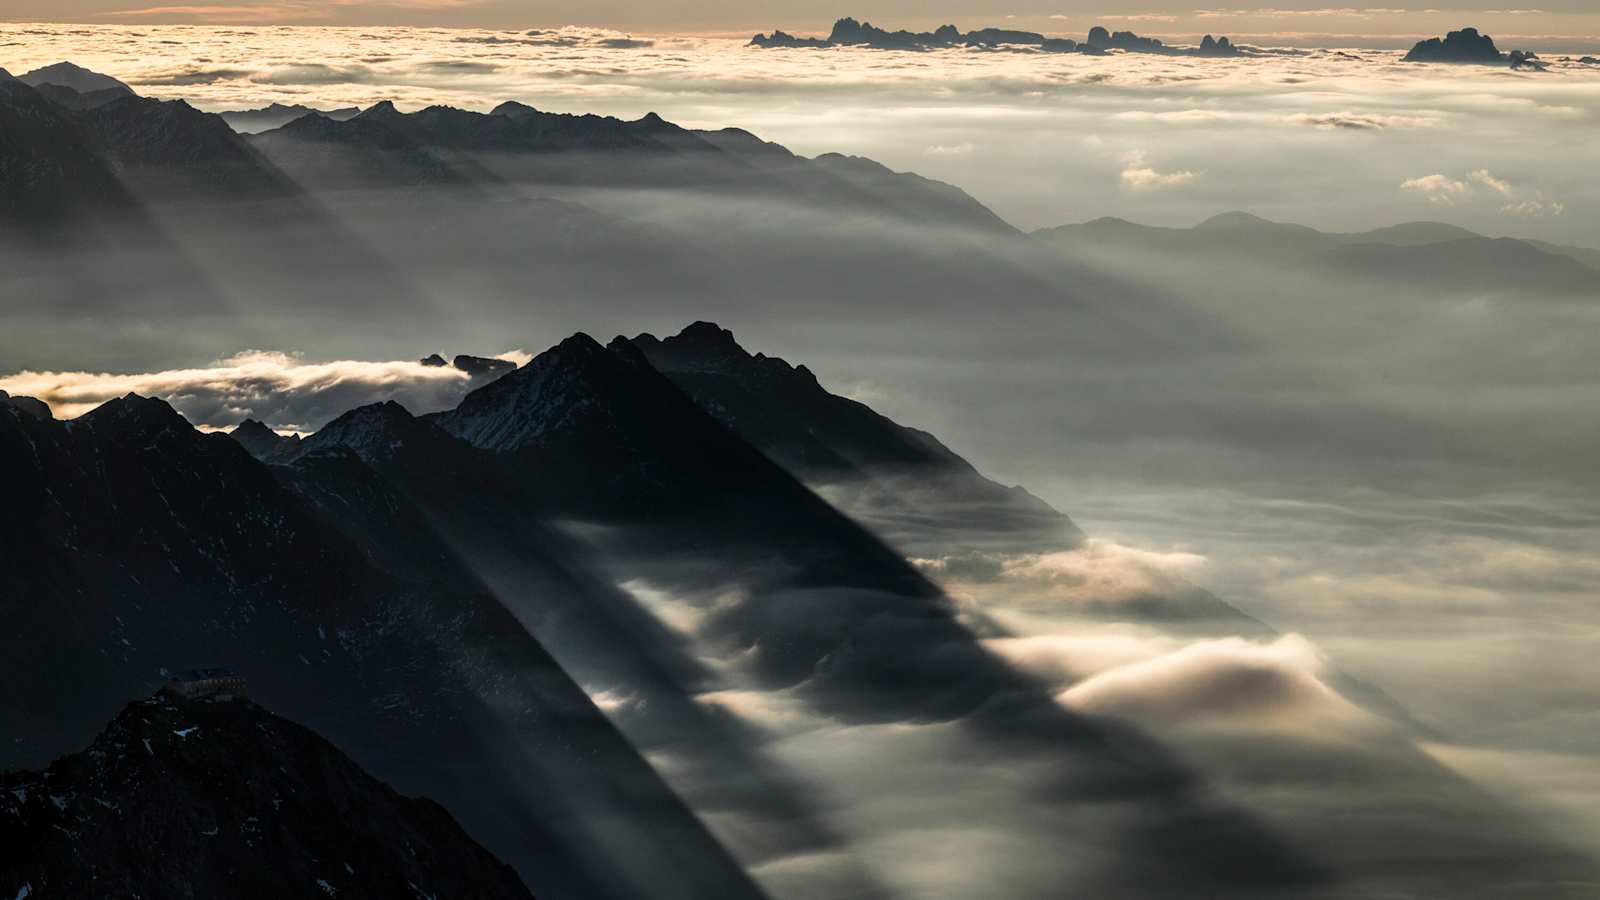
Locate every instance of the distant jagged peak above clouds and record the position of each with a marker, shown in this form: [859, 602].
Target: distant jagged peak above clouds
[1469, 46]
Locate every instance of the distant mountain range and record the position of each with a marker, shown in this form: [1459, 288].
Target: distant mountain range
[848, 32]
[1428, 255]
[72, 151]
[225, 799]
[277, 115]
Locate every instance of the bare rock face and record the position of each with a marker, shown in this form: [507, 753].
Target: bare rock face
[226, 800]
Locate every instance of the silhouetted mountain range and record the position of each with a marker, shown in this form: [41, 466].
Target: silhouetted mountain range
[277, 115]
[227, 800]
[517, 144]
[105, 147]
[850, 32]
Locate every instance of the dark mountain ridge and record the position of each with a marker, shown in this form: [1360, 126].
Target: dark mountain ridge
[828, 440]
[226, 800]
[388, 477]
[824, 608]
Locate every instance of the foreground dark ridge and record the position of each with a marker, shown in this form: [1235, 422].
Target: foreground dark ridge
[410, 540]
[226, 800]
[145, 539]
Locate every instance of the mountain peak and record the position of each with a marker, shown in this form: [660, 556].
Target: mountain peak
[383, 109]
[706, 343]
[573, 386]
[628, 352]
[71, 75]
[132, 412]
[1464, 46]
[375, 432]
[513, 109]
[263, 443]
[576, 346]
[706, 331]
[652, 120]
[1235, 219]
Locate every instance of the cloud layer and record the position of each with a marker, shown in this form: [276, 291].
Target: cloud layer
[281, 390]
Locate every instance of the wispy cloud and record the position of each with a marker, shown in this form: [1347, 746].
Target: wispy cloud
[1483, 177]
[1437, 188]
[1139, 175]
[267, 12]
[1529, 209]
[225, 14]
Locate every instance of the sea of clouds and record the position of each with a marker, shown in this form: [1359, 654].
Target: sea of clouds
[1339, 138]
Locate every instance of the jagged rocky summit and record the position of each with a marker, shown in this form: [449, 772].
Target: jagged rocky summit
[479, 367]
